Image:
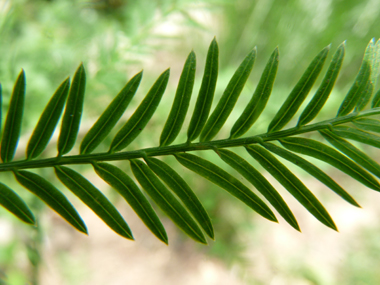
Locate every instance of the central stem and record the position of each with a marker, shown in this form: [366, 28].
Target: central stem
[169, 150]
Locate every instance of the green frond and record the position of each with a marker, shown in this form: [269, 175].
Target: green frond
[163, 183]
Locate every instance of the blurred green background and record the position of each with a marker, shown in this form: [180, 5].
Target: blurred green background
[116, 39]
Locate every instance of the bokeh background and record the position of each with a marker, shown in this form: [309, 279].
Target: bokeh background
[116, 39]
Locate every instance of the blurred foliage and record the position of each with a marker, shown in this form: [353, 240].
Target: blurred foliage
[117, 38]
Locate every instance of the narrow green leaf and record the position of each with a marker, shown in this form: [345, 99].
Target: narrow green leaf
[123, 184]
[13, 121]
[299, 92]
[206, 93]
[291, 183]
[142, 115]
[357, 135]
[94, 199]
[48, 121]
[259, 98]
[73, 112]
[367, 124]
[366, 97]
[376, 100]
[357, 91]
[376, 63]
[331, 156]
[52, 197]
[184, 193]
[312, 170]
[14, 204]
[226, 181]
[260, 183]
[181, 102]
[369, 57]
[320, 97]
[352, 152]
[166, 200]
[110, 116]
[229, 98]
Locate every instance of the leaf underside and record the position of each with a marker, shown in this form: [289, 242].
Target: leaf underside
[355, 127]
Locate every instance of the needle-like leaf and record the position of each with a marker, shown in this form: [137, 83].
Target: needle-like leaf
[123, 184]
[181, 102]
[13, 121]
[352, 152]
[183, 191]
[142, 115]
[291, 183]
[357, 135]
[166, 200]
[94, 199]
[299, 92]
[315, 105]
[260, 183]
[73, 112]
[376, 100]
[110, 116]
[259, 99]
[226, 181]
[229, 98]
[367, 124]
[48, 121]
[312, 170]
[331, 156]
[206, 93]
[369, 57]
[52, 197]
[357, 91]
[14, 204]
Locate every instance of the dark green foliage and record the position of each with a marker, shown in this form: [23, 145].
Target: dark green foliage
[177, 199]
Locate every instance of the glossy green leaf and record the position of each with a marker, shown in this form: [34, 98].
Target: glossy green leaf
[376, 100]
[142, 115]
[291, 183]
[48, 121]
[367, 124]
[357, 135]
[181, 102]
[375, 70]
[73, 112]
[259, 99]
[357, 91]
[13, 121]
[110, 116]
[229, 98]
[94, 199]
[52, 197]
[166, 200]
[369, 57]
[352, 152]
[14, 204]
[123, 184]
[299, 92]
[331, 156]
[226, 181]
[184, 193]
[320, 97]
[312, 170]
[260, 183]
[206, 93]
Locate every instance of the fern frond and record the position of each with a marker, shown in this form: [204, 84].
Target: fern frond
[164, 185]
